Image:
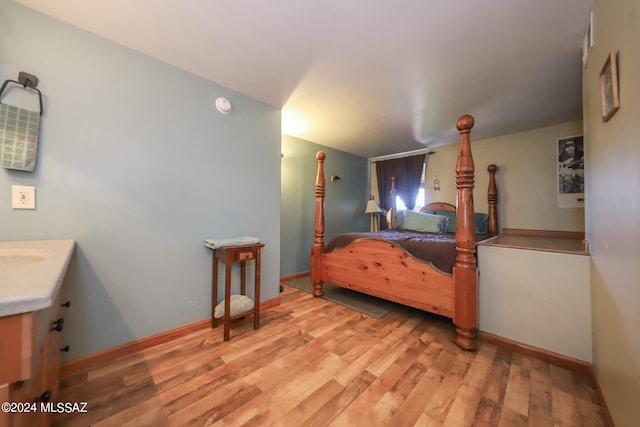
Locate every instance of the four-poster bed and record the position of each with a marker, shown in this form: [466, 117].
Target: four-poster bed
[384, 269]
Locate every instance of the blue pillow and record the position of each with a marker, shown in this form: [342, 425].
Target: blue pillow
[399, 218]
[425, 222]
[482, 223]
[451, 228]
[480, 219]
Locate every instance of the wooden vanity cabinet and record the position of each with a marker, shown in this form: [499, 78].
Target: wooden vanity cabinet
[30, 346]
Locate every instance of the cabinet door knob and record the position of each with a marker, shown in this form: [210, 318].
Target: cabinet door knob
[57, 325]
[66, 304]
[65, 348]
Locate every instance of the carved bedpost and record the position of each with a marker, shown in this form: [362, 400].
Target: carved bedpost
[492, 198]
[318, 248]
[392, 194]
[464, 270]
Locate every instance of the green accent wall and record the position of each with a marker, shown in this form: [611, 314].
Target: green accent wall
[345, 199]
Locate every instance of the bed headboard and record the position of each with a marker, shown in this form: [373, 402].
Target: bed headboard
[492, 198]
[438, 206]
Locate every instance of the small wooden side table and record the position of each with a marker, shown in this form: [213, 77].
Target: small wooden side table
[229, 255]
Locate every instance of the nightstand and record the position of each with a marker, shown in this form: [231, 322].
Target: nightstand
[229, 255]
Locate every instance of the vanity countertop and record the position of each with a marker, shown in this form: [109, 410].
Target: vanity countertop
[31, 272]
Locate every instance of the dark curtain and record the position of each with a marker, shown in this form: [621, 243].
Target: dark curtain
[408, 172]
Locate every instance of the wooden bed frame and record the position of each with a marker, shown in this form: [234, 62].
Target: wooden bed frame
[385, 270]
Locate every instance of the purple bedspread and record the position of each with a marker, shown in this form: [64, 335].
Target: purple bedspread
[437, 248]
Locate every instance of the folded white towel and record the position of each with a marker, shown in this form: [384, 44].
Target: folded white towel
[234, 241]
[19, 130]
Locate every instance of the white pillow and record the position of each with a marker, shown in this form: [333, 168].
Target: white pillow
[239, 304]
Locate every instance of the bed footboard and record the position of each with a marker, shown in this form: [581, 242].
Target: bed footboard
[385, 270]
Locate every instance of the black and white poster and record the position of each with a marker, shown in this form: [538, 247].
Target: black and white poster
[571, 172]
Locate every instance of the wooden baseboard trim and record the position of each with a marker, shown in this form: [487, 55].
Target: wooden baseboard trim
[294, 276]
[268, 304]
[89, 361]
[603, 401]
[101, 357]
[557, 359]
[561, 360]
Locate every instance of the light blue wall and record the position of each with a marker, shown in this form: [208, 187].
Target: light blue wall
[345, 200]
[138, 167]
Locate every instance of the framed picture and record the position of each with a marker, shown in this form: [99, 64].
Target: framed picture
[609, 87]
[570, 167]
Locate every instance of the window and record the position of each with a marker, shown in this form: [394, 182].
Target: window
[420, 199]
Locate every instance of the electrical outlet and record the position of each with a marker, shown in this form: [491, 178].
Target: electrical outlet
[23, 197]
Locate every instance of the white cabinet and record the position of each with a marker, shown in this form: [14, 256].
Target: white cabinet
[537, 297]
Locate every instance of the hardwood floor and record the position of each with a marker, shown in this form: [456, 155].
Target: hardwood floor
[315, 363]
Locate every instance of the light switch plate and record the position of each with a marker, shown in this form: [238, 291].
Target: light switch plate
[23, 197]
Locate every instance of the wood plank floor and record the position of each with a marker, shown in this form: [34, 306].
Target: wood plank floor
[315, 363]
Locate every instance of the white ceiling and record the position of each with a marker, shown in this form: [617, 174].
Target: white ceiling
[370, 77]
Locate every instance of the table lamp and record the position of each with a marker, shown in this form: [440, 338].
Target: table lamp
[374, 210]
